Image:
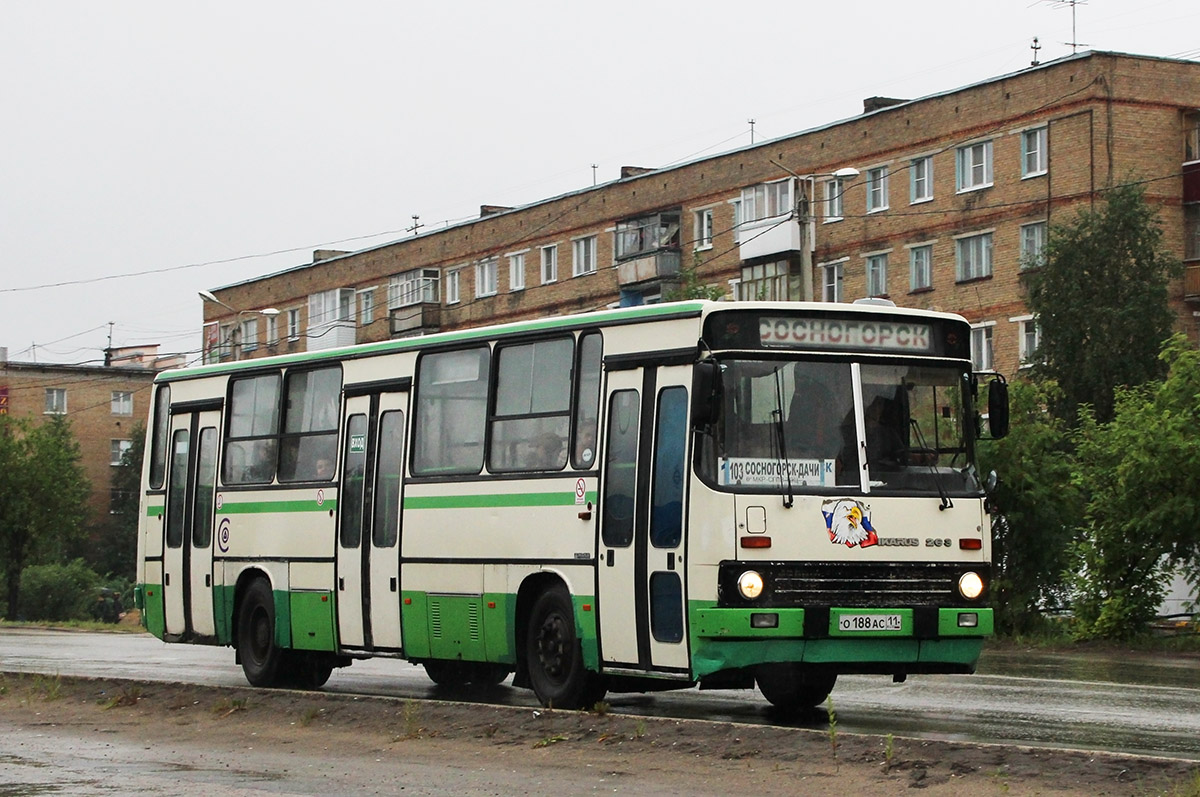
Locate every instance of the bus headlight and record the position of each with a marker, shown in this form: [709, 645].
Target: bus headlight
[970, 585]
[750, 585]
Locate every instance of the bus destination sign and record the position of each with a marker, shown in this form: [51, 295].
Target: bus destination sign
[846, 333]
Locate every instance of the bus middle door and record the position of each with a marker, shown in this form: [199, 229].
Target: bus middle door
[642, 530]
[368, 552]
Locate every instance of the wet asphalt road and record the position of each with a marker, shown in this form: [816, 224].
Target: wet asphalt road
[1146, 704]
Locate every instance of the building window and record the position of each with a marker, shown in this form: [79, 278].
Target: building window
[1034, 156]
[737, 220]
[1191, 232]
[549, 264]
[413, 287]
[272, 330]
[122, 402]
[767, 282]
[920, 268]
[877, 189]
[835, 189]
[366, 304]
[1029, 337]
[766, 200]
[974, 255]
[516, 272]
[877, 274]
[249, 334]
[226, 335]
[583, 259]
[452, 287]
[921, 175]
[330, 306]
[642, 236]
[56, 401]
[293, 323]
[703, 228]
[831, 282]
[1033, 240]
[974, 166]
[981, 347]
[487, 277]
[117, 449]
[1191, 137]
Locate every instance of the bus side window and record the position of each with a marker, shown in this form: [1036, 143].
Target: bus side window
[587, 401]
[530, 417]
[251, 442]
[308, 447]
[158, 443]
[451, 412]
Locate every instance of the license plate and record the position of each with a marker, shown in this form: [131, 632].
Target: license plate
[869, 622]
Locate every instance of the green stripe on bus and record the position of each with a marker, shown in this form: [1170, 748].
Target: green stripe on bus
[558, 498]
[261, 507]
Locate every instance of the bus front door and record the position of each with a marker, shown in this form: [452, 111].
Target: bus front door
[642, 529]
[368, 552]
[188, 527]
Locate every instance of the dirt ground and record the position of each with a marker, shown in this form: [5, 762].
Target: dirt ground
[313, 743]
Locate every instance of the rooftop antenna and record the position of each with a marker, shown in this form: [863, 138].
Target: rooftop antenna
[1074, 43]
[1035, 47]
[594, 167]
[416, 225]
[751, 121]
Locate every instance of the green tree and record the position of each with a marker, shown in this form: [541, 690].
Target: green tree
[1036, 506]
[45, 496]
[1143, 513]
[690, 285]
[115, 549]
[1100, 298]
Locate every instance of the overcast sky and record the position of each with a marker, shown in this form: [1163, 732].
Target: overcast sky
[206, 146]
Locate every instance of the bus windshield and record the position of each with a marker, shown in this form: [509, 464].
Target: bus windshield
[797, 425]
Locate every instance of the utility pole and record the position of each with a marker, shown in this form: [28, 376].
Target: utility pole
[751, 121]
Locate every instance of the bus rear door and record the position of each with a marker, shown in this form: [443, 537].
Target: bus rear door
[642, 531]
[368, 552]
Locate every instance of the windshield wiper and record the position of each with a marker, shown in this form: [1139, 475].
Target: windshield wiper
[786, 476]
[932, 462]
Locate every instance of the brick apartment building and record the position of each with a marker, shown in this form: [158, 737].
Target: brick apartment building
[103, 403]
[940, 203]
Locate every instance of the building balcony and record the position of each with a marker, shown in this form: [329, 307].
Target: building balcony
[653, 266]
[415, 319]
[1191, 282]
[777, 235]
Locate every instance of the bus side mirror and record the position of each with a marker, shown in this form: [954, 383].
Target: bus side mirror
[705, 380]
[998, 408]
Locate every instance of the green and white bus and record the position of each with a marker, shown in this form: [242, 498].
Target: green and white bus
[629, 500]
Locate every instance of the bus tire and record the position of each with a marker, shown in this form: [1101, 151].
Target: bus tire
[792, 688]
[260, 656]
[309, 670]
[450, 674]
[555, 657]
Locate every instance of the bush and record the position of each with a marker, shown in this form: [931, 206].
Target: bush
[58, 592]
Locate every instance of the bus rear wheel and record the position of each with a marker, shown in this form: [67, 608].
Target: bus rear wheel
[309, 670]
[260, 655]
[792, 688]
[554, 656]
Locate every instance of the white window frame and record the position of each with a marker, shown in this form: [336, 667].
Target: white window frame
[516, 270]
[980, 260]
[583, 256]
[117, 449]
[920, 266]
[366, 306]
[1033, 241]
[833, 277]
[249, 334]
[293, 323]
[877, 189]
[487, 277]
[452, 286]
[1027, 326]
[876, 268]
[56, 401]
[549, 264]
[122, 402]
[921, 180]
[983, 346]
[416, 286]
[737, 219]
[974, 166]
[272, 329]
[835, 192]
[766, 201]
[703, 228]
[1034, 147]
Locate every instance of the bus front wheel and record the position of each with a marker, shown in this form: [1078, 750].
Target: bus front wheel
[554, 656]
[792, 688]
[256, 635]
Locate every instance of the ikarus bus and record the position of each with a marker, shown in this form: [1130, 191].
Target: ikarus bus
[638, 499]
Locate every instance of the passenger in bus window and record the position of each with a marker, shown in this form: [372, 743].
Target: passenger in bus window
[548, 451]
[812, 422]
[884, 437]
[585, 444]
[324, 469]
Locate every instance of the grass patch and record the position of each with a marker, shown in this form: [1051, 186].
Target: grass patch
[128, 696]
[229, 705]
